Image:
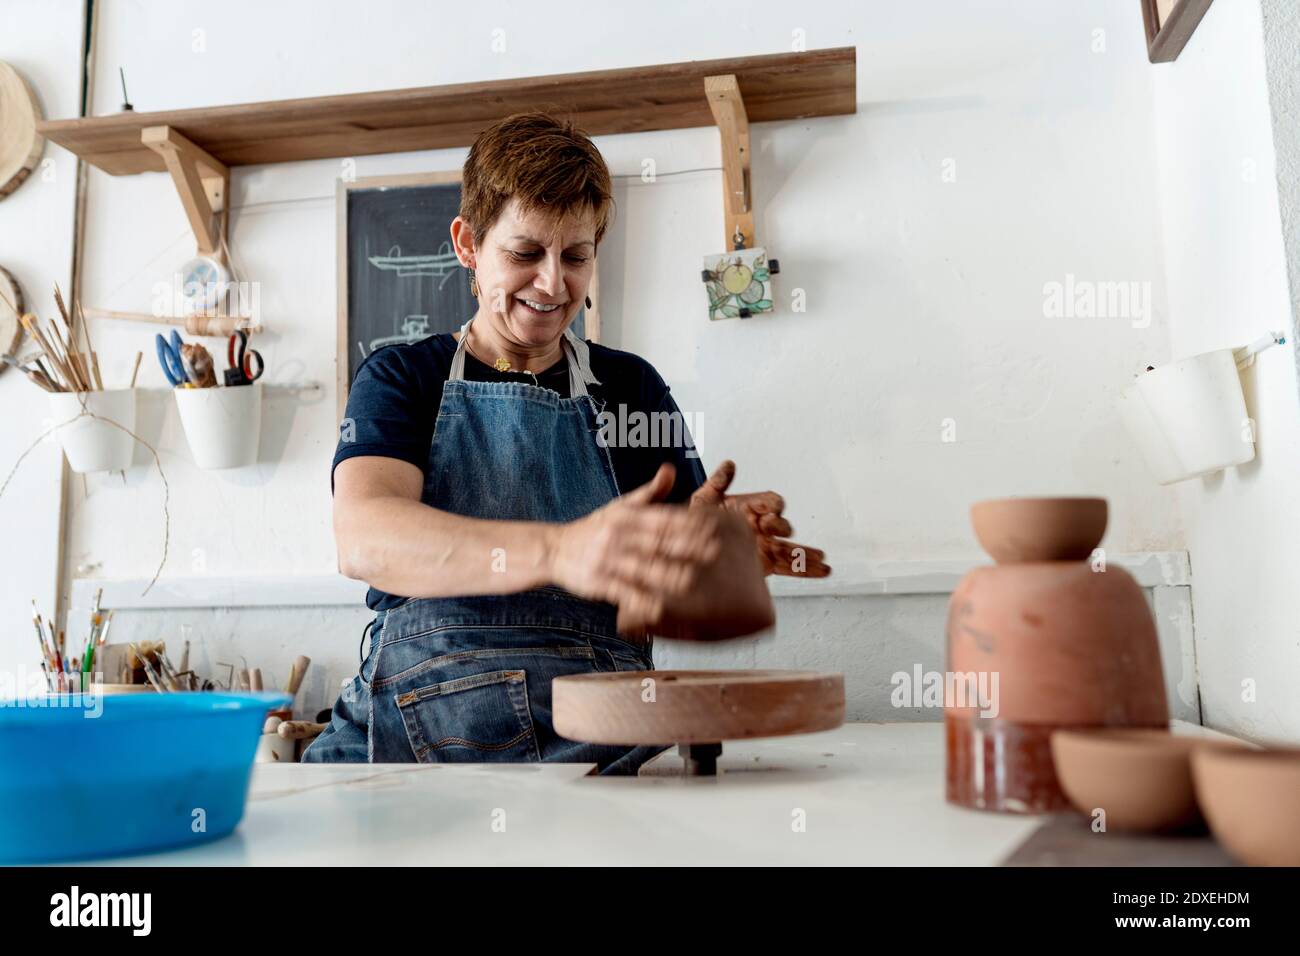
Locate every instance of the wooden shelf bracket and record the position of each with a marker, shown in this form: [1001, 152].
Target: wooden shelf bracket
[723, 93]
[202, 182]
[1169, 25]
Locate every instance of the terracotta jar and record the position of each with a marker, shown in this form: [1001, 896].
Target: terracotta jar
[1052, 640]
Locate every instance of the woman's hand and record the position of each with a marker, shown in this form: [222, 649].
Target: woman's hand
[763, 511]
[636, 553]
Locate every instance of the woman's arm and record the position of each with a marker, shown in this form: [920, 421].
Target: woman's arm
[388, 539]
[632, 552]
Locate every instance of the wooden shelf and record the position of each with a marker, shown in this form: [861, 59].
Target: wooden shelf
[781, 86]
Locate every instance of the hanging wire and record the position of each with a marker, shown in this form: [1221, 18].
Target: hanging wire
[86, 412]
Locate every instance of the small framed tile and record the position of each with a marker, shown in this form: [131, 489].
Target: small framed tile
[738, 283]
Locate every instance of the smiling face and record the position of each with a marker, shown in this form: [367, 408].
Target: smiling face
[533, 272]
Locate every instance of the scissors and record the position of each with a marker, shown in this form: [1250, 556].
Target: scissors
[169, 357]
[240, 359]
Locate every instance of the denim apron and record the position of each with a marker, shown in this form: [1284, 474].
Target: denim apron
[469, 678]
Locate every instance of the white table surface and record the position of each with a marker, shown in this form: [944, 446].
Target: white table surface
[871, 794]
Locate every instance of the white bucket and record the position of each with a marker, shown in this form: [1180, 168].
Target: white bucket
[222, 424]
[90, 444]
[1190, 417]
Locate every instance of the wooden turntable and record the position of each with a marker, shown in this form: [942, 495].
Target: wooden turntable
[697, 710]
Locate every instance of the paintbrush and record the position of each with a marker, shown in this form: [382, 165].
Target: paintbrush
[108, 622]
[36, 377]
[67, 319]
[46, 656]
[149, 672]
[96, 619]
[39, 373]
[76, 360]
[69, 345]
[57, 350]
[41, 370]
[62, 375]
[90, 348]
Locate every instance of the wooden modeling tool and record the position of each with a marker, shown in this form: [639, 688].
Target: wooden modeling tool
[299, 729]
[296, 674]
[696, 710]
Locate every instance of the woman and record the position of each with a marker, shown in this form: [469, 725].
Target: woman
[475, 493]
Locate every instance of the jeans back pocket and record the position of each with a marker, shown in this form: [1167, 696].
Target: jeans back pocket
[475, 718]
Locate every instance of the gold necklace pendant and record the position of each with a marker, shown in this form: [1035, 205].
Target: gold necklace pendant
[502, 365]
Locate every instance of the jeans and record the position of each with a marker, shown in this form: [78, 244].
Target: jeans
[456, 680]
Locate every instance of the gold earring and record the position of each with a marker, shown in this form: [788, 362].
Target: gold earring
[473, 284]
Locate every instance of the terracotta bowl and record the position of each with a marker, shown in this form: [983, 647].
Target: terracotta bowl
[1251, 799]
[1142, 778]
[1021, 530]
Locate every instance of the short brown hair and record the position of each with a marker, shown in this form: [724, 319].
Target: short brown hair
[542, 162]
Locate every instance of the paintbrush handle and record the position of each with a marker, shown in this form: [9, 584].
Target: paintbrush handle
[34, 330]
[35, 377]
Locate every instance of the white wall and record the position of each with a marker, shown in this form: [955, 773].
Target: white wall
[43, 41]
[1227, 285]
[925, 297]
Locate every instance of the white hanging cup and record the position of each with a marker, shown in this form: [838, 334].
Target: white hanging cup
[222, 424]
[91, 444]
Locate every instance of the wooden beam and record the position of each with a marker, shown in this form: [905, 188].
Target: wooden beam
[778, 86]
[202, 182]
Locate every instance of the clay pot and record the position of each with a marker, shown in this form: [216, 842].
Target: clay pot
[730, 599]
[1055, 646]
[1251, 799]
[1142, 779]
[1070, 646]
[1017, 530]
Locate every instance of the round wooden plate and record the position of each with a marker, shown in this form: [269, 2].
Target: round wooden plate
[686, 707]
[11, 306]
[20, 144]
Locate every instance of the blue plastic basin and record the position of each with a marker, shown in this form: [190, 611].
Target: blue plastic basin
[84, 776]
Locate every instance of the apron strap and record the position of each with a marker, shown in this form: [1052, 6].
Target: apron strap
[576, 350]
[458, 357]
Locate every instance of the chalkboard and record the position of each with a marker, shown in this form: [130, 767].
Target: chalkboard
[399, 279]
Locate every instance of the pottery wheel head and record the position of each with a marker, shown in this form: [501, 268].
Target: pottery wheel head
[683, 707]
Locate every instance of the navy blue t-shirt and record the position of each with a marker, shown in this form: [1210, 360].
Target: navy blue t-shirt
[395, 395]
